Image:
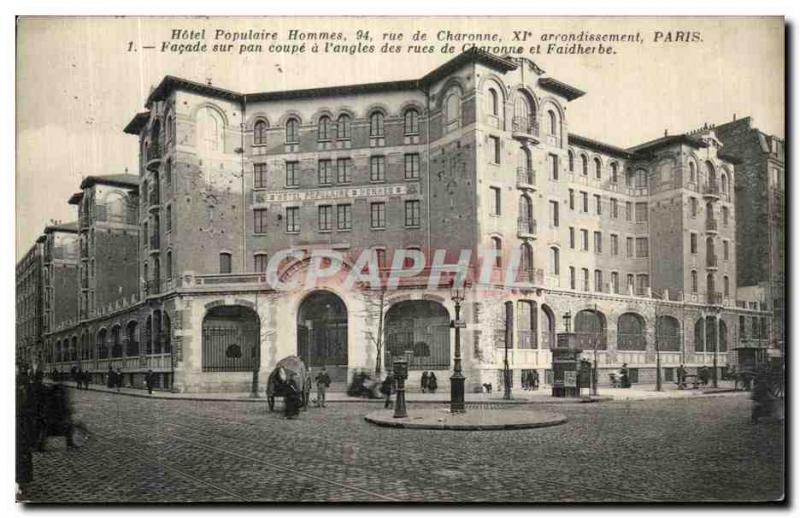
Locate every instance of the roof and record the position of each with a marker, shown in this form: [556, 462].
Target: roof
[71, 227]
[669, 140]
[577, 140]
[570, 93]
[116, 180]
[171, 83]
[75, 198]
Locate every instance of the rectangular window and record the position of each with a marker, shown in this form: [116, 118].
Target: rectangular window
[693, 243]
[628, 210]
[325, 172]
[641, 212]
[553, 166]
[572, 237]
[693, 207]
[259, 176]
[325, 219]
[598, 280]
[598, 205]
[585, 201]
[344, 217]
[643, 282]
[614, 282]
[293, 219]
[260, 221]
[225, 265]
[725, 216]
[614, 208]
[629, 247]
[344, 167]
[572, 277]
[585, 279]
[494, 142]
[412, 213]
[614, 244]
[554, 213]
[641, 247]
[630, 283]
[571, 199]
[377, 217]
[377, 169]
[725, 251]
[260, 262]
[292, 179]
[598, 243]
[584, 239]
[412, 166]
[495, 201]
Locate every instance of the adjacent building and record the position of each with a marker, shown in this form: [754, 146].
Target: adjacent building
[635, 246]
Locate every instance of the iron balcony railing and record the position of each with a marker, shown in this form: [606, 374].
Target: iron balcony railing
[711, 188]
[526, 226]
[525, 126]
[526, 176]
[711, 225]
[715, 298]
[631, 341]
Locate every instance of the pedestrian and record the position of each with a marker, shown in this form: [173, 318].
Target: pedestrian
[386, 389]
[762, 399]
[432, 385]
[323, 382]
[77, 377]
[424, 382]
[703, 375]
[110, 377]
[624, 380]
[148, 380]
[118, 379]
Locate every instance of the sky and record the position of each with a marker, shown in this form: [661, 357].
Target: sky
[78, 83]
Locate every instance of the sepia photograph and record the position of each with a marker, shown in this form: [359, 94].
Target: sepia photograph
[461, 259]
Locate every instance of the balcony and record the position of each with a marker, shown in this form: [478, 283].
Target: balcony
[153, 155]
[526, 178]
[526, 228]
[714, 298]
[524, 128]
[152, 287]
[711, 190]
[711, 225]
[712, 261]
[530, 275]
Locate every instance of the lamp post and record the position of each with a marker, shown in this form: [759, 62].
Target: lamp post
[457, 379]
[509, 338]
[658, 355]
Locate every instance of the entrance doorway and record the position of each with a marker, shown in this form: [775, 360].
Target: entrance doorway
[322, 334]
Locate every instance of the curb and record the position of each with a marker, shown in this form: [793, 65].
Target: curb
[379, 420]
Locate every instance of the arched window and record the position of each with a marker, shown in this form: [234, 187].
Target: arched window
[209, 130]
[614, 172]
[260, 133]
[598, 168]
[225, 263]
[452, 108]
[525, 166]
[668, 333]
[497, 245]
[411, 122]
[525, 210]
[169, 129]
[571, 157]
[526, 261]
[169, 264]
[692, 172]
[524, 113]
[724, 184]
[552, 120]
[630, 332]
[494, 102]
[584, 165]
[116, 342]
[324, 128]
[102, 344]
[132, 339]
[590, 328]
[343, 127]
[292, 128]
[376, 124]
[694, 281]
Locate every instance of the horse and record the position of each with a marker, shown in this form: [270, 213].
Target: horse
[289, 377]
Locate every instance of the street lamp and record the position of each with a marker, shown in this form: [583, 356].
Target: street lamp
[658, 354]
[457, 379]
[509, 338]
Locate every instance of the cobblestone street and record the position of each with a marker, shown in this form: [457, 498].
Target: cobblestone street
[148, 450]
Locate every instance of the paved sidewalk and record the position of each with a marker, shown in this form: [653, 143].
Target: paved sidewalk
[519, 396]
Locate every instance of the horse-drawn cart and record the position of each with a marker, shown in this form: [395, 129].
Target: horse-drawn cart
[290, 380]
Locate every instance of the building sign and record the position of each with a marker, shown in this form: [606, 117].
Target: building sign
[336, 193]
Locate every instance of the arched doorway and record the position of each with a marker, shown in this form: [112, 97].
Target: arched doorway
[548, 327]
[231, 341]
[322, 333]
[420, 326]
[590, 327]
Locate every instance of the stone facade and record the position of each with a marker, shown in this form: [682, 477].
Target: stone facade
[474, 156]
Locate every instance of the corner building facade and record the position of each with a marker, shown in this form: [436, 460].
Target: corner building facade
[635, 246]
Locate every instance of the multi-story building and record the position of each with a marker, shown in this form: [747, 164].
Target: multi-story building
[760, 165]
[29, 304]
[636, 246]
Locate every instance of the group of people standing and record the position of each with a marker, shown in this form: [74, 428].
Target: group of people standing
[428, 382]
[530, 380]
